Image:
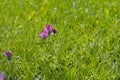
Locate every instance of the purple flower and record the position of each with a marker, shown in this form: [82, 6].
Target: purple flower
[47, 31]
[2, 76]
[44, 34]
[8, 53]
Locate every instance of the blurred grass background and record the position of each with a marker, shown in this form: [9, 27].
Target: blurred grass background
[87, 46]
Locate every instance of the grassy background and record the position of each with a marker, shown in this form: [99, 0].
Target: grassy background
[87, 46]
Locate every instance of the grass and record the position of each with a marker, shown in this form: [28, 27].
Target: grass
[87, 46]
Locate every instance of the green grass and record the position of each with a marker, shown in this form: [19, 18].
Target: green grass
[87, 46]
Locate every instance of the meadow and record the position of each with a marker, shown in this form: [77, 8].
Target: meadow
[86, 46]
